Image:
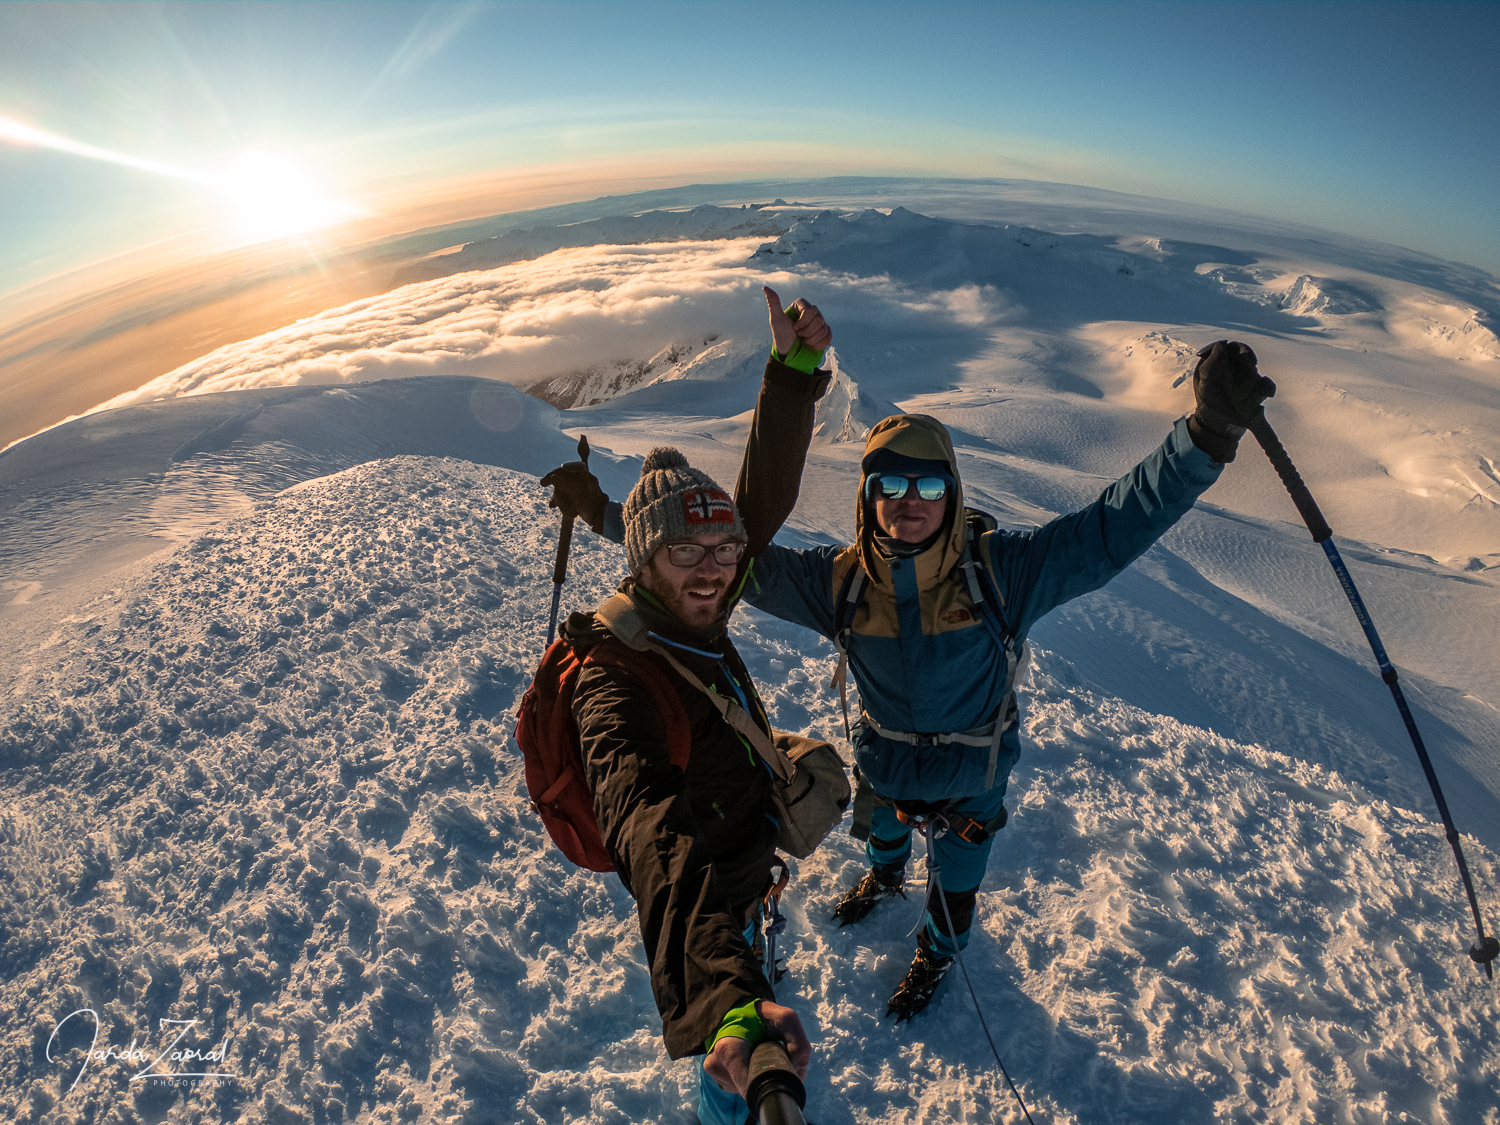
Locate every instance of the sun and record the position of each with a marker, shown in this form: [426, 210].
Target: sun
[271, 197]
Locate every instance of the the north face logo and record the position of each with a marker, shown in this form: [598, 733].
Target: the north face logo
[707, 505]
[958, 617]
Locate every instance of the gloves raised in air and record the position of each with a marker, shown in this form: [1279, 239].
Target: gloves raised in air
[1229, 390]
[576, 492]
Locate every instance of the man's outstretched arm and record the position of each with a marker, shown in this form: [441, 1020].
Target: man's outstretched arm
[771, 473]
[1080, 552]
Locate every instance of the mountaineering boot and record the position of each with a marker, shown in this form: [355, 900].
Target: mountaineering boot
[860, 899]
[921, 981]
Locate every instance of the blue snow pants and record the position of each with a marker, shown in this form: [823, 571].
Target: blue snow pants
[717, 1106]
[960, 865]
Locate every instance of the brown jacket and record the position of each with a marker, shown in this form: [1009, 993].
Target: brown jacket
[693, 847]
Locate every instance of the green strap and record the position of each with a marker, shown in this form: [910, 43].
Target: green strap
[740, 1022]
[802, 357]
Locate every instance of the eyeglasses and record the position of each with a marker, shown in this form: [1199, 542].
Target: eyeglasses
[891, 486]
[691, 554]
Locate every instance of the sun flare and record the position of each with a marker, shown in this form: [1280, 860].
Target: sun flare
[271, 197]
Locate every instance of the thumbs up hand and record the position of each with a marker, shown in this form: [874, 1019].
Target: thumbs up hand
[799, 326]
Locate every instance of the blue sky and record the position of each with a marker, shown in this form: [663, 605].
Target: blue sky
[1380, 120]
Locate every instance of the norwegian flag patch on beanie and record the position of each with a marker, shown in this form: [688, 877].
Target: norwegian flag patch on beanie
[707, 505]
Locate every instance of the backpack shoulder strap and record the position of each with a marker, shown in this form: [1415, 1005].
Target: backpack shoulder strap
[622, 619]
[847, 601]
[845, 604]
[674, 717]
[625, 622]
[977, 566]
[736, 716]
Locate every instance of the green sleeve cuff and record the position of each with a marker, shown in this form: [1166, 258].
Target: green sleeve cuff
[743, 1022]
[803, 358]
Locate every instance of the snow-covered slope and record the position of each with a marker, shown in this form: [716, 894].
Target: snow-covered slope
[268, 785]
[112, 487]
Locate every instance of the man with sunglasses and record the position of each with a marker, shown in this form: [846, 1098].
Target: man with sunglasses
[930, 610]
[694, 846]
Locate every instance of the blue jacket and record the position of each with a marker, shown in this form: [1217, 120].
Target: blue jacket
[923, 662]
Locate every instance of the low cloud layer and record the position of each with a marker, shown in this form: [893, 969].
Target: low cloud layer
[531, 320]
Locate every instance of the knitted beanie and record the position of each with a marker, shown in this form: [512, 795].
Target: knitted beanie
[674, 501]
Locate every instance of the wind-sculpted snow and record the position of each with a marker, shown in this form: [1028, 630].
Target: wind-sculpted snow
[269, 786]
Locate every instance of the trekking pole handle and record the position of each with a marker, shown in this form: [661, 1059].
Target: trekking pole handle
[1281, 461]
[565, 540]
[775, 1094]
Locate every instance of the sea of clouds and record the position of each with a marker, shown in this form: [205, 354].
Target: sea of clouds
[562, 312]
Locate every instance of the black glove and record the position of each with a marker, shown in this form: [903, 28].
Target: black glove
[576, 492]
[1229, 391]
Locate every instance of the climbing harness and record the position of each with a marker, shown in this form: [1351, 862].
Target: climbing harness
[966, 828]
[987, 735]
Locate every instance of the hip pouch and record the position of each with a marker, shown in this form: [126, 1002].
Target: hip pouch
[811, 802]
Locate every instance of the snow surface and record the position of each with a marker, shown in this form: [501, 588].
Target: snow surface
[268, 784]
[262, 646]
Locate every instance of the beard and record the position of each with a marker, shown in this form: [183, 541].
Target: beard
[676, 597]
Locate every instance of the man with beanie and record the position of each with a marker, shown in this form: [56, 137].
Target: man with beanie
[694, 846]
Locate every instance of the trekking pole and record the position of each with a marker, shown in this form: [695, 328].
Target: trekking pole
[775, 1095]
[1484, 951]
[937, 882]
[564, 541]
[773, 924]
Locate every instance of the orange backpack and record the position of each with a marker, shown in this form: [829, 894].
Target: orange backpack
[553, 757]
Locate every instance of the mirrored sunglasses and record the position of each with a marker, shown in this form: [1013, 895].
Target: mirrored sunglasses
[892, 486]
[691, 554]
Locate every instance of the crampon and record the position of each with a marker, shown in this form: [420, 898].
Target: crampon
[916, 989]
[861, 898]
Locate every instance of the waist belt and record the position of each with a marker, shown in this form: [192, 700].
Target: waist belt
[966, 828]
[987, 735]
